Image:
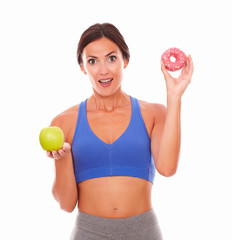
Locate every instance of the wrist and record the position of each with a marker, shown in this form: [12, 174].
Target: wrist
[173, 98]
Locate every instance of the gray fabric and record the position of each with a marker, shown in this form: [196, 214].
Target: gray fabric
[142, 226]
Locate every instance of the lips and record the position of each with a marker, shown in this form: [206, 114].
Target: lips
[105, 80]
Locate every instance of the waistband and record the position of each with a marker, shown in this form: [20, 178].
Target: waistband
[108, 225]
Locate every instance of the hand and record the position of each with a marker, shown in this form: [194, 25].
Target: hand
[178, 85]
[60, 153]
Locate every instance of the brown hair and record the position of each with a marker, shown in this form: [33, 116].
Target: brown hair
[98, 31]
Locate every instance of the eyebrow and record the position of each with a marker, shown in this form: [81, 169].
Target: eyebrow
[106, 55]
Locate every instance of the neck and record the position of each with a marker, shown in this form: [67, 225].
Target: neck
[108, 103]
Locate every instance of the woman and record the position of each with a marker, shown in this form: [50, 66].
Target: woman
[114, 143]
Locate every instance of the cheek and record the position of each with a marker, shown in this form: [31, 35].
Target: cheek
[117, 69]
[120, 72]
[91, 70]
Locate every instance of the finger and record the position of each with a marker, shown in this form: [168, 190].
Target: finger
[56, 155]
[61, 153]
[191, 64]
[49, 154]
[187, 70]
[186, 67]
[187, 63]
[190, 69]
[66, 147]
[163, 68]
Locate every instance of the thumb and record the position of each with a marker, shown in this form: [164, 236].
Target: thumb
[66, 147]
[164, 70]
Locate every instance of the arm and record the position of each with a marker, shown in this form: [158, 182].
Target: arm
[165, 138]
[64, 188]
[166, 133]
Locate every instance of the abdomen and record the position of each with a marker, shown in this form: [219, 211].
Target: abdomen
[115, 197]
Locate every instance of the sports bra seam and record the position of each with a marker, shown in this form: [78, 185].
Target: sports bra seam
[141, 118]
[102, 167]
[89, 170]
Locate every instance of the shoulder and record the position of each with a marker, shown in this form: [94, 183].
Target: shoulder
[155, 110]
[66, 120]
[66, 115]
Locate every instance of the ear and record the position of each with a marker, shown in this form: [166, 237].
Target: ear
[83, 69]
[125, 63]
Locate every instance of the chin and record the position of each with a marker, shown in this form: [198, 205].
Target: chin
[106, 92]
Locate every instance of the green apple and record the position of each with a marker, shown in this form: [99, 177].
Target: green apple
[51, 138]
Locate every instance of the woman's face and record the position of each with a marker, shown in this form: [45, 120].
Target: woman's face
[102, 61]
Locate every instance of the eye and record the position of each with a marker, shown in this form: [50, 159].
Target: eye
[112, 58]
[91, 61]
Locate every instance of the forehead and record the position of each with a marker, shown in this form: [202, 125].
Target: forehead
[101, 47]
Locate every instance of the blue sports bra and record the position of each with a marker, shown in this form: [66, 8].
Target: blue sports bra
[129, 155]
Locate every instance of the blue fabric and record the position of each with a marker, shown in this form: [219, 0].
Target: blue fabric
[129, 155]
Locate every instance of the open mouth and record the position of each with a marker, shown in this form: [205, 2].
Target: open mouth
[106, 81]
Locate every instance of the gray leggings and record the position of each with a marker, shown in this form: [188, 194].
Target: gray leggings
[142, 226]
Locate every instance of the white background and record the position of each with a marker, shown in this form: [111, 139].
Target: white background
[40, 78]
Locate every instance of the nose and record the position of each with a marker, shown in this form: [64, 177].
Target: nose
[103, 69]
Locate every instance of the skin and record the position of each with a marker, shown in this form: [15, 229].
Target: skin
[108, 114]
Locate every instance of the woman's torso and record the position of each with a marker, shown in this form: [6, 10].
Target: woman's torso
[115, 196]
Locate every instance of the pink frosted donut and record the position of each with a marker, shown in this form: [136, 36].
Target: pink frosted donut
[178, 55]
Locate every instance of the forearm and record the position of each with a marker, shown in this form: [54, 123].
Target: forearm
[169, 148]
[64, 187]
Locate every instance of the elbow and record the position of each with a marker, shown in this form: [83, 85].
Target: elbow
[167, 172]
[67, 208]
[167, 169]
[67, 204]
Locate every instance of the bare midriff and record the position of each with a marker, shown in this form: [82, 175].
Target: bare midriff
[114, 197]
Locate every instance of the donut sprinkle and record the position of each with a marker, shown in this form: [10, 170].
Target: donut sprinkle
[179, 56]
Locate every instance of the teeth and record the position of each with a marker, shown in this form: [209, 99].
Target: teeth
[105, 81]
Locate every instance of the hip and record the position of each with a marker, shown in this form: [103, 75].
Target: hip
[141, 226]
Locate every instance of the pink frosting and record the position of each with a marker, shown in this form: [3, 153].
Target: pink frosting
[178, 55]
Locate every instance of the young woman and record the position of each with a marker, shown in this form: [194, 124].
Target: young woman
[114, 143]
